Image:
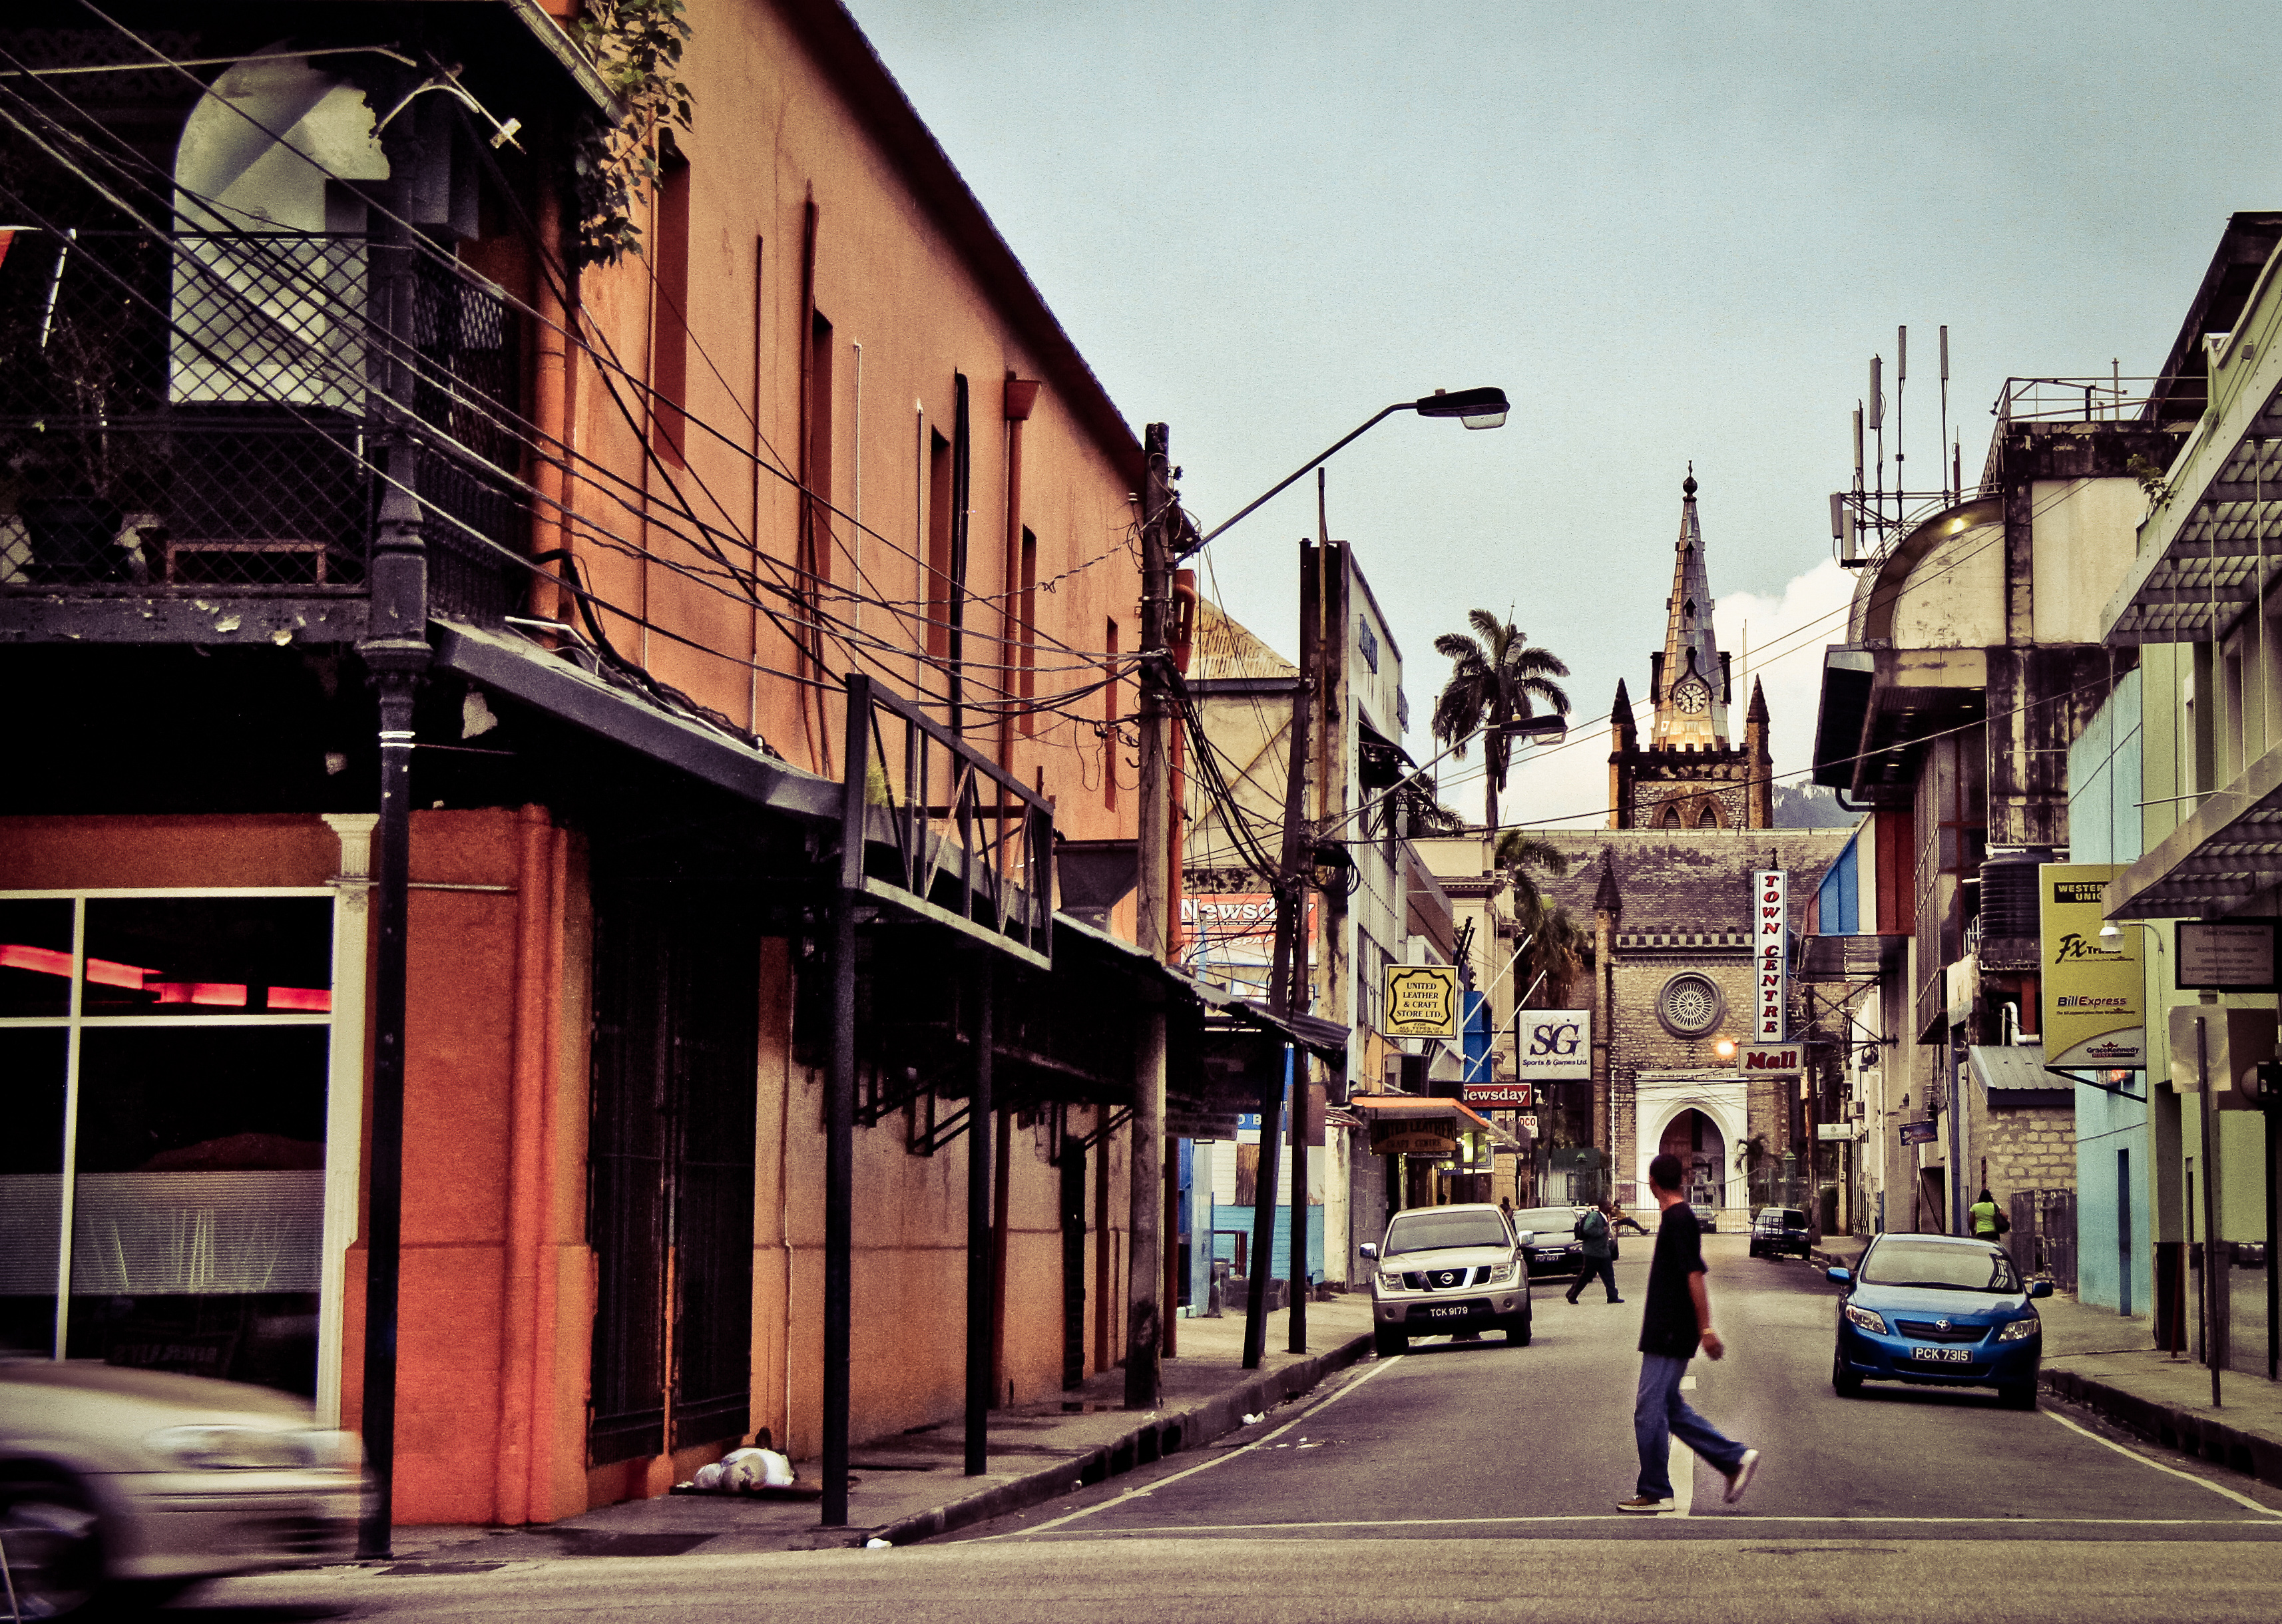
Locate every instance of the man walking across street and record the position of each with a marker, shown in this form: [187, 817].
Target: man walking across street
[1677, 1317]
[1597, 1230]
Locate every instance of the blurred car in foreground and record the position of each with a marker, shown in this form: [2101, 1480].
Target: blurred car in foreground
[115, 1482]
[1938, 1311]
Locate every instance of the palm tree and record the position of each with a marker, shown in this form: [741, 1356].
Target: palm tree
[1518, 852]
[1496, 678]
[1557, 947]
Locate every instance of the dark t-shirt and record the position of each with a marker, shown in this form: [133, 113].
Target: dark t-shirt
[1668, 1322]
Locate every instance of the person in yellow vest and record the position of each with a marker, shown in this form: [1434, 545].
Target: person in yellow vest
[1981, 1218]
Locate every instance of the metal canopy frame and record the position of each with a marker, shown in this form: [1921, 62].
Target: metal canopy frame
[2217, 545]
[972, 846]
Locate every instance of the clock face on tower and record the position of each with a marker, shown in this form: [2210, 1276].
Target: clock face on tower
[1691, 697]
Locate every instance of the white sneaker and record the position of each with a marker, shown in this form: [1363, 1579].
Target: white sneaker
[1741, 1480]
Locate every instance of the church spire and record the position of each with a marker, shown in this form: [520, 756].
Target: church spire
[1691, 700]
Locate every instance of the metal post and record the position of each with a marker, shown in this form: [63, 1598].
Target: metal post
[2211, 1343]
[395, 658]
[1145, 1279]
[981, 1314]
[840, 1106]
[384, 1226]
[1296, 1318]
[2273, 1210]
[1263, 1218]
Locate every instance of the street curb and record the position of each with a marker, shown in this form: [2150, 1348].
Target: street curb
[1153, 1441]
[2172, 1426]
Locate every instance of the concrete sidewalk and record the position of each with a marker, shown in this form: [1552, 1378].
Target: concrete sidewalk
[912, 1486]
[2109, 1364]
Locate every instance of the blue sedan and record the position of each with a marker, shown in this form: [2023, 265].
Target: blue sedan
[1940, 1311]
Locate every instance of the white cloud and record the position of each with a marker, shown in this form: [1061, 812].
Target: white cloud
[1786, 637]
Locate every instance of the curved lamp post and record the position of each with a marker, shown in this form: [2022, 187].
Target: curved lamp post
[1476, 408]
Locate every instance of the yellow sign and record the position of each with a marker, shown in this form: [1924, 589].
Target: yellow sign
[1422, 1001]
[2094, 991]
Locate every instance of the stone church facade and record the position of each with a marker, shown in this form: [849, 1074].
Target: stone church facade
[1666, 890]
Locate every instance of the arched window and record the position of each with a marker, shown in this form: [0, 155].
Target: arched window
[1710, 818]
[1671, 818]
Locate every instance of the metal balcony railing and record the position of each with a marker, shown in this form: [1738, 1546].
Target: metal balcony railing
[192, 414]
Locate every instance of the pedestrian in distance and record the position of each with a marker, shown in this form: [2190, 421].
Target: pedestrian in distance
[1675, 1320]
[1982, 1219]
[1597, 1229]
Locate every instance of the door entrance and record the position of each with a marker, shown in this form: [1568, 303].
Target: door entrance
[675, 1057]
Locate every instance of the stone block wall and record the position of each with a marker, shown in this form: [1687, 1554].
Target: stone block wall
[2029, 1148]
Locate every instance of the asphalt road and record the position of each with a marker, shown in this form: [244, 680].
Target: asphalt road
[1478, 1481]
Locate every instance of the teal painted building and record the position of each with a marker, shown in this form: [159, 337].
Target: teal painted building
[2106, 785]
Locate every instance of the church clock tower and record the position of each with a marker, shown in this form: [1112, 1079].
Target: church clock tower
[1693, 774]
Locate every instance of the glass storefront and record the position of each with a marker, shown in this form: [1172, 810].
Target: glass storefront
[164, 1065]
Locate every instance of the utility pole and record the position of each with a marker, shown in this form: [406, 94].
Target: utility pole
[1288, 976]
[1144, 1279]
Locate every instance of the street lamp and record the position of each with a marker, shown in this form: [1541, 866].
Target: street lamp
[1476, 408]
[2111, 932]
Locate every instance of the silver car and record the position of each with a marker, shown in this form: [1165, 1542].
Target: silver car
[1446, 1270]
[116, 1481]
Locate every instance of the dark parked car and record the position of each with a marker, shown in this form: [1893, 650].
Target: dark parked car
[1779, 1231]
[1554, 1249]
[1707, 1217]
[1939, 1310]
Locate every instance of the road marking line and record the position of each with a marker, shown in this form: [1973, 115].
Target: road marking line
[1633, 1519]
[2216, 1488]
[1308, 1413]
[1682, 1470]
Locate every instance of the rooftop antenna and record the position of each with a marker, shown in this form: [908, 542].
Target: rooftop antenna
[1877, 408]
[1901, 381]
[1945, 497]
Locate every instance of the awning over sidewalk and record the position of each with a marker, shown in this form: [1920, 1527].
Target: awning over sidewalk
[1424, 1110]
[2216, 862]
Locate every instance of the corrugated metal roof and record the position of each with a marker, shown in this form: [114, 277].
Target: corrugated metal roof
[1999, 1067]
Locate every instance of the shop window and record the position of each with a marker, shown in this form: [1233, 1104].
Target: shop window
[165, 1065]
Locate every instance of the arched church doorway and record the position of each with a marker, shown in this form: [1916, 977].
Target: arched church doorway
[1702, 1149]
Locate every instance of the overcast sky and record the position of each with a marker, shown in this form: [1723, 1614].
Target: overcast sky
[1670, 232]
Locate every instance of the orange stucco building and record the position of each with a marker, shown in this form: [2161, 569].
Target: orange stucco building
[821, 424]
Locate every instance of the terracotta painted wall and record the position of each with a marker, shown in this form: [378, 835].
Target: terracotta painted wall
[496, 1303]
[771, 133]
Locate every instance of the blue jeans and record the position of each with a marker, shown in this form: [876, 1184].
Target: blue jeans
[1658, 1411]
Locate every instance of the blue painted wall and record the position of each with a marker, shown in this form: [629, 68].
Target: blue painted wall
[2114, 1267]
[1838, 902]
